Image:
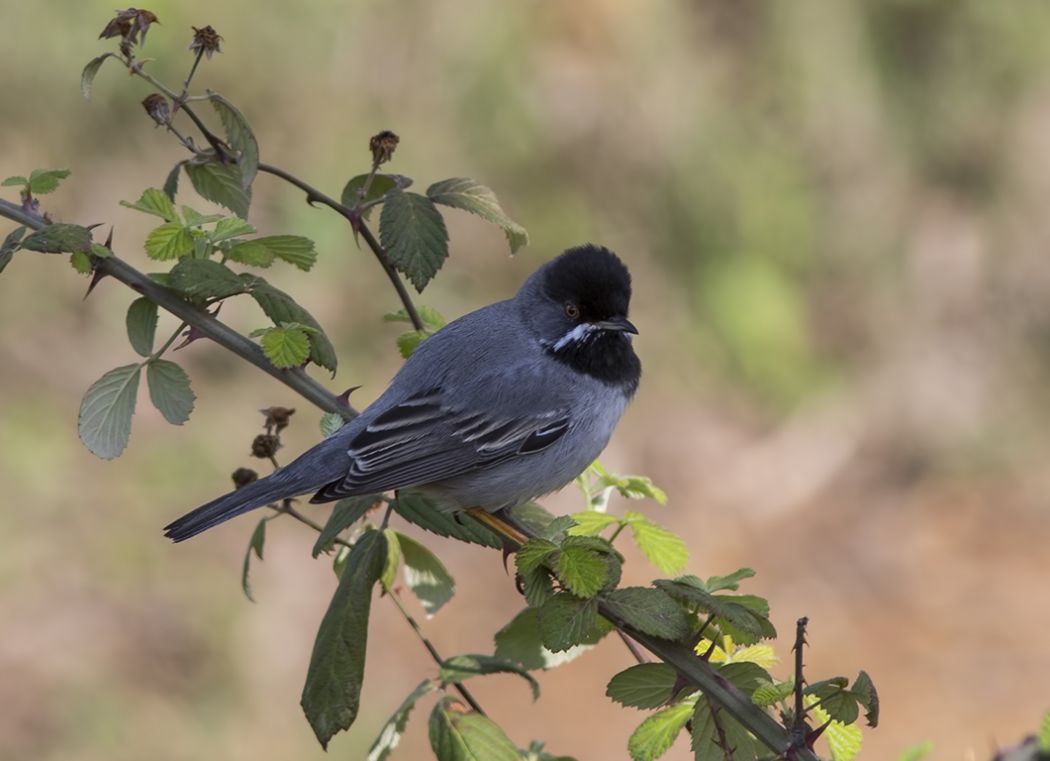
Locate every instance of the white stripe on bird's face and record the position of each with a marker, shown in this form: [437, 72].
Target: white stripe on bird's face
[579, 334]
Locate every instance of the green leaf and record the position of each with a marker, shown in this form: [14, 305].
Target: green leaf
[381, 185]
[430, 317]
[566, 620]
[280, 307]
[240, 137]
[464, 193]
[591, 523]
[649, 610]
[407, 343]
[195, 218]
[171, 182]
[14, 180]
[230, 227]
[633, 487]
[294, 249]
[456, 735]
[142, 325]
[104, 423]
[286, 347]
[843, 739]
[743, 617]
[205, 279]
[346, 513]
[863, 690]
[155, 202]
[251, 253]
[413, 233]
[390, 735]
[664, 548]
[1043, 738]
[747, 676]
[11, 244]
[169, 390]
[459, 668]
[393, 559]
[647, 685]
[43, 181]
[255, 544]
[59, 238]
[331, 422]
[425, 575]
[534, 554]
[537, 585]
[521, 641]
[421, 510]
[81, 262]
[731, 581]
[705, 735]
[771, 693]
[332, 694]
[87, 76]
[582, 570]
[169, 241]
[920, 751]
[220, 184]
[657, 734]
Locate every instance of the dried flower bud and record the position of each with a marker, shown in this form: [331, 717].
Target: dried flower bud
[156, 106]
[206, 40]
[131, 25]
[382, 146]
[277, 417]
[243, 476]
[265, 446]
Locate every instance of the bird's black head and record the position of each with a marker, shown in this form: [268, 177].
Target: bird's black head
[577, 305]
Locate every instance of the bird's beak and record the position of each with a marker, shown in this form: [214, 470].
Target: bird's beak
[621, 324]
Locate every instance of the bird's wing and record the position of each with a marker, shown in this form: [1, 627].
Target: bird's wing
[427, 438]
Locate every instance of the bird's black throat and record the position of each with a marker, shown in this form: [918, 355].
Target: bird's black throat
[606, 355]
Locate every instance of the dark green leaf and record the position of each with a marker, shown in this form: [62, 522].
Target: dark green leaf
[381, 185]
[294, 249]
[169, 390]
[59, 238]
[104, 422]
[142, 325]
[171, 182]
[863, 690]
[535, 752]
[280, 307]
[285, 347]
[566, 620]
[169, 241]
[534, 554]
[87, 76]
[705, 735]
[345, 514]
[332, 694]
[419, 509]
[664, 548]
[747, 676]
[464, 193]
[521, 641]
[649, 610]
[456, 735]
[240, 137]
[413, 233]
[205, 279]
[255, 544]
[390, 735]
[655, 735]
[743, 617]
[11, 244]
[459, 668]
[425, 575]
[582, 570]
[731, 581]
[221, 184]
[537, 585]
[43, 181]
[153, 201]
[647, 685]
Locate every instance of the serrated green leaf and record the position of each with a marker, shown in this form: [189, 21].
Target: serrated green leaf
[87, 76]
[771, 693]
[104, 423]
[730, 581]
[330, 423]
[141, 322]
[393, 559]
[285, 347]
[664, 548]
[13, 180]
[863, 690]
[426, 576]
[332, 694]
[251, 253]
[255, 544]
[390, 734]
[469, 195]
[456, 735]
[421, 510]
[743, 617]
[649, 610]
[459, 668]
[381, 185]
[704, 741]
[431, 318]
[169, 390]
[557, 529]
[43, 181]
[346, 513]
[240, 137]
[155, 202]
[221, 184]
[205, 279]
[230, 227]
[81, 262]
[537, 586]
[581, 570]
[531, 515]
[195, 218]
[647, 685]
[520, 641]
[407, 343]
[746, 676]
[280, 307]
[566, 620]
[591, 523]
[657, 734]
[169, 241]
[414, 235]
[171, 182]
[534, 554]
[294, 249]
[11, 244]
[844, 740]
[59, 238]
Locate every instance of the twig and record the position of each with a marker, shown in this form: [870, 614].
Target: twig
[799, 729]
[635, 651]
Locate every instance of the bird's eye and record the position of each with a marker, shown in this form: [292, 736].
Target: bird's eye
[572, 311]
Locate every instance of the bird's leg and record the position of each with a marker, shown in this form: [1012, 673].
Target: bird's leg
[502, 527]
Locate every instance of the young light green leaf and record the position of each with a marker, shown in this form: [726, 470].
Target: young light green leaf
[566, 620]
[922, 750]
[345, 514]
[169, 241]
[647, 685]
[431, 318]
[169, 390]
[418, 508]
[155, 202]
[656, 734]
[390, 735]
[240, 137]
[331, 422]
[294, 249]
[591, 523]
[104, 423]
[730, 581]
[171, 182]
[14, 180]
[582, 570]
[464, 193]
[251, 253]
[407, 343]
[664, 548]
[87, 76]
[255, 544]
[332, 694]
[221, 184]
[280, 307]
[11, 244]
[459, 668]
[195, 218]
[771, 693]
[81, 262]
[649, 610]
[1043, 738]
[59, 238]
[230, 227]
[844, 740]
[458, 735]
[42, 181]
[425, 575]
[413, 233]
[393, 559]
[532, 516]
[142, 325]
[285, 347]
[205, 279]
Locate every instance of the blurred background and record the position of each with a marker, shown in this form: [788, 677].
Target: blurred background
[836, 216]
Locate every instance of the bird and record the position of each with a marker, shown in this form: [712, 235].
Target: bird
[506, 404]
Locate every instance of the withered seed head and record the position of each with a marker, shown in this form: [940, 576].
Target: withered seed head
[383, 146]
[243, 476]
[131, 25]
[206, 40]
[277, 417]
[156, 106]
[265, 446]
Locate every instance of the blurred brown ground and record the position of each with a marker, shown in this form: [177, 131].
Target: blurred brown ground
[836, 215]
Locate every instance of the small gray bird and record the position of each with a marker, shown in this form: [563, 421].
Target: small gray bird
[501, 406]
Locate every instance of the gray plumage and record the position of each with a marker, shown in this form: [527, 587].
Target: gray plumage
[501, 406]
